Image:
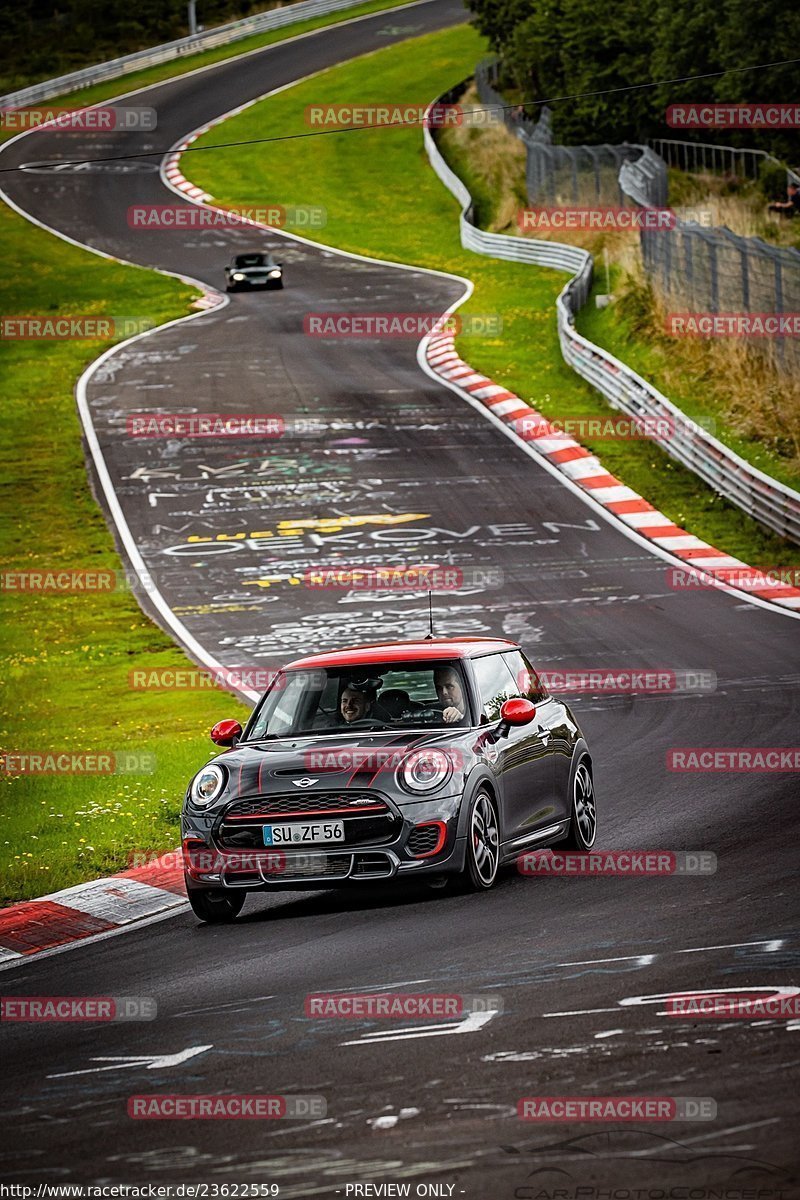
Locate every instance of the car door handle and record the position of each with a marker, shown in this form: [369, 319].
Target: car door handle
[544, 733]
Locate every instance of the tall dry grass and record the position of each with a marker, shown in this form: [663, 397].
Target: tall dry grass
[742, 383]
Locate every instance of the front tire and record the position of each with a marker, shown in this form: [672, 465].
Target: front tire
[216, 906]
[483, 844]
[583, 823]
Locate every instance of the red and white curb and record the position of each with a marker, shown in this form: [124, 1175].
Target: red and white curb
[173, 173]
[99, 907]
[586, 471]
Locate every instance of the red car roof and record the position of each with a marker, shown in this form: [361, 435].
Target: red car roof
[405, 652]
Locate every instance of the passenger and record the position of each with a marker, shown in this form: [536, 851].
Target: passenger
[355, 704]
[447, 682]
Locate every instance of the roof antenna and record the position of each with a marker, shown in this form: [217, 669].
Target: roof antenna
[429, 635]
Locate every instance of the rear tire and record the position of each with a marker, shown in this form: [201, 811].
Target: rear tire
[482, 857]
[216, 906]
[583, 822]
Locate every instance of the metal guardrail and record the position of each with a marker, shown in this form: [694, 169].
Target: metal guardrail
[708, 156]
[222, 35]
[762, 497]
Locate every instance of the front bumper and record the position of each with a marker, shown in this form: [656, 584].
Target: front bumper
[210, 862]
[326, 868]
[259, 281]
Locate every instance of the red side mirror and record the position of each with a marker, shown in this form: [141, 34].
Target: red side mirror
[225, 733]
[517, 711]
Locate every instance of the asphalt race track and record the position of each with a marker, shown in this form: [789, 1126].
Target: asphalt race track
[398, 467]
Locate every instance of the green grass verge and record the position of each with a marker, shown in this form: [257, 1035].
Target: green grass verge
[66, 657]
[383, 200]
[175, 67]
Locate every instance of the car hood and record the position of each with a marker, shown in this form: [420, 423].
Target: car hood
[321, 763]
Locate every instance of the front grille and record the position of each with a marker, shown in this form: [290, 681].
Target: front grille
[340, 803]
[423, 839]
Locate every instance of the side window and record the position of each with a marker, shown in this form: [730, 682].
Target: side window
[528, 683]
[495, 683]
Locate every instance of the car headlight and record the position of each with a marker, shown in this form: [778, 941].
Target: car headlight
[425, 770]
[274, 274]
[207, 785]
[238, 275]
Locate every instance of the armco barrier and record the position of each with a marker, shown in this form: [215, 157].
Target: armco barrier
[759, 495]
[208, 40]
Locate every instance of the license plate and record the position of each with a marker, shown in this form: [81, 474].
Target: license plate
[303, 835]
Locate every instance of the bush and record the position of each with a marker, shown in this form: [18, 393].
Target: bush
[772, 180]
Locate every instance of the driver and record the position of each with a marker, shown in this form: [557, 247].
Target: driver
[447, 682]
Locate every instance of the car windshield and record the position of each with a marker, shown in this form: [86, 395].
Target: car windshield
[369, 697]
[251, 260]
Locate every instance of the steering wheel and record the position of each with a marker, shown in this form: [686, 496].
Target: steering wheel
[428, 716]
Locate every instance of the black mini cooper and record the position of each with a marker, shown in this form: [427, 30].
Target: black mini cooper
[255, 270]
[431, 759]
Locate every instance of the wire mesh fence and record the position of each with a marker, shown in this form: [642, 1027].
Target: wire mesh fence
[716, 271]
[555, 175]
[695, 269]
